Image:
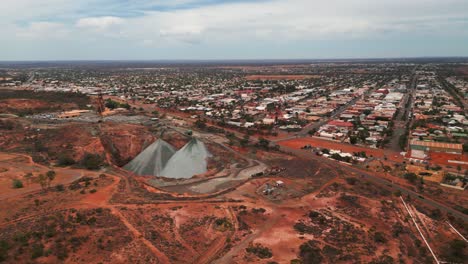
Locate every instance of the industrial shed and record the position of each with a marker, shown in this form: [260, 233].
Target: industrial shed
[436, 146]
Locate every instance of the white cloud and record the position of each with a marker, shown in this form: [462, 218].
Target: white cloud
[43, 30]
[300, 19]
[248, 23]
[99, 23]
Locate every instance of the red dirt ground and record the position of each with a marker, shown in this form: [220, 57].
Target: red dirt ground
[443, 158]
[22, 104]
[315, 142]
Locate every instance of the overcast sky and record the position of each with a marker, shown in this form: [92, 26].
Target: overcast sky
[230, 29]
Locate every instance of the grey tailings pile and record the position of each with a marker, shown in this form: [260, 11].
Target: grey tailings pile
[161, 159]
[152, 160]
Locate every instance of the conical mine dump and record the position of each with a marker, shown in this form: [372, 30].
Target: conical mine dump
[152, 160]
[188, 161]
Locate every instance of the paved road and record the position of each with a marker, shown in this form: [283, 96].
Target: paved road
[460, 100]
[377, 180]
[402, 119]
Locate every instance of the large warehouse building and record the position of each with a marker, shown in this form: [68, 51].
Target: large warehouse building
[426, 146]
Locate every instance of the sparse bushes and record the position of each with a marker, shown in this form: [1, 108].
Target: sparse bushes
[302, 228]
[111, 104]
[379, 237]
[384, 259]
[65, 160]
[397, 229]
[263, 143]
[4, 247]
[258, 210]
[59, 188]
[42, 180]
[349, 198]
[91, 161]
[313, 214]
[351, 180]
[259, 251]
[74, 186]
[200, 124]
[61, 251]
[411, 177]
[50, 177]
[222, 224]
[436, 214]
[455, 251]
[310, 253]
[37, 251]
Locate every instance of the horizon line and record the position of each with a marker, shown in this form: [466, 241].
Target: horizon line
[240, 59]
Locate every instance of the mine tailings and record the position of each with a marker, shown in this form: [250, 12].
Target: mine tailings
[162, 159]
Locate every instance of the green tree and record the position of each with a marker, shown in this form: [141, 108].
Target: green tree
[111, 104]
[455, 251]
[17, 184]
[264, 143]
[91, 161]
[411, 177]
[42, 180]
[200, 124]
[65, 160]
[50, 176]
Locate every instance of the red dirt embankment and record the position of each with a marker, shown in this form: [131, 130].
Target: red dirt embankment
[14, 105]
[120, 142]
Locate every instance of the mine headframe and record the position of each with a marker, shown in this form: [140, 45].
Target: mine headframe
[100, 107]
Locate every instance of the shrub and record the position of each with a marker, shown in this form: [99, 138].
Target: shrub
[379, 237]
[37, 251]
[455, 251]
[302, 228]
[74, 186]
[61, 251]
[59, 188]
[351, 181]
[310, 253]
[17, 184]
[349, 198]
[65, 160]
[313, 214]
[384, 259]
[91, 161]
[4, 247]
[222, 224]
[259, 251]
[258, 210]
[411, 177]
[397, 229]
[93, 191]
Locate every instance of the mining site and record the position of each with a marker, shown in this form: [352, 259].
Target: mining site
[153, 175]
